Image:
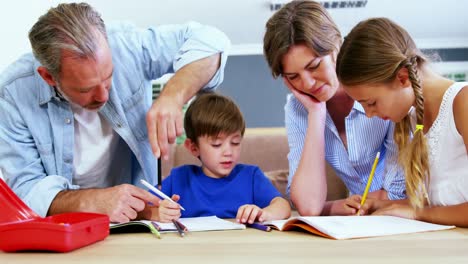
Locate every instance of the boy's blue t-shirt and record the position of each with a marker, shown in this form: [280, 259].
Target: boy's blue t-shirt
[201, 195]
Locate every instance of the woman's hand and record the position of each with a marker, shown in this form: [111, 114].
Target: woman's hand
[309, 102]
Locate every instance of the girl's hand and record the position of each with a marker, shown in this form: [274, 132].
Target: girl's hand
[400, 210]
[249, 213]
[353, 205]
[169, 211]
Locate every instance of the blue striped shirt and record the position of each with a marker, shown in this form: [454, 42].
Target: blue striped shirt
[365, 137]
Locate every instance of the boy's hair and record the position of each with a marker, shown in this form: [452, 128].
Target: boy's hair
[210, 114]
[299, 22]
[373, 53]
[72, 27]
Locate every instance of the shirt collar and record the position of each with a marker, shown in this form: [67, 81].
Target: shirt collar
[358, 107]
[46, 92]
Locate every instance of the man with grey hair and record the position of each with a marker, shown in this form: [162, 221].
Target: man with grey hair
[78, 129]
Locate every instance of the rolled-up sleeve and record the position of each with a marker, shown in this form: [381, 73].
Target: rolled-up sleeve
[167, 48]
[296, 127]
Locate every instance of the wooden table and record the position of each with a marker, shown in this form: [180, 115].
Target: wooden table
[254, 246]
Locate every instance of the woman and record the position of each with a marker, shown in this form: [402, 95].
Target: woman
[301, 44]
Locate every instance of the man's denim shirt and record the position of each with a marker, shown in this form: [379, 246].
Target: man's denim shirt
[36, 126]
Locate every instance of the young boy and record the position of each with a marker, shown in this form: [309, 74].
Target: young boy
[214, 127]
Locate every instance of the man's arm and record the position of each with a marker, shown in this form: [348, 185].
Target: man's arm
[197, 54]
[121, 203]
[165, 117]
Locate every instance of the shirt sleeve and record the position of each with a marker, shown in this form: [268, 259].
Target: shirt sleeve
[264, 191]
[296, 127]
[394, 181]
[167, 48]
[21, 163]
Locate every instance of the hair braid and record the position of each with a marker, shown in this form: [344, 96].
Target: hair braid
[414, 156]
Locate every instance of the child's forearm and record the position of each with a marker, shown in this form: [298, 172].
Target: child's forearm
[445, 215]
[279, 208]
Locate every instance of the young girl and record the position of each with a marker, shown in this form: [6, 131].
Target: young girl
[323, 123]
[380, 66]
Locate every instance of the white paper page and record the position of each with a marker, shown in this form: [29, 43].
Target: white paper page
[207, 223]
[344, 227]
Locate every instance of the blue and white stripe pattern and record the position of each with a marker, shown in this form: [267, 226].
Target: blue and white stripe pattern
[365, 137]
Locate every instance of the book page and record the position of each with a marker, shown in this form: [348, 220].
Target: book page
[346, 227]
[207, 223]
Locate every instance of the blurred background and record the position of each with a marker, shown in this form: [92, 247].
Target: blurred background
[437, 26]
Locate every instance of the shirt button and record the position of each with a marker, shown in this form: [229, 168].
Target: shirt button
[67, 120]
[119, 125]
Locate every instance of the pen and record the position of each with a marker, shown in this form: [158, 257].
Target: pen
[259, 227]
[369, 181]
[154, 230]
[178, 227]
[159, 173]
[158, 192]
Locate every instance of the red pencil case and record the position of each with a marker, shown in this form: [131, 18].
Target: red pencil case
[22, 229]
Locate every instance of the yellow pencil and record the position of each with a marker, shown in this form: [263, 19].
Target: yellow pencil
[369, 181]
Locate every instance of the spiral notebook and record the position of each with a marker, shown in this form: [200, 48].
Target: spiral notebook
[193, 224]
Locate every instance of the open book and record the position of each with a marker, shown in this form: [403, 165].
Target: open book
[346, 227]
[193, 224]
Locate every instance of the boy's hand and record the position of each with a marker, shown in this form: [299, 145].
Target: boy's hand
[249, 213]
[168, 210]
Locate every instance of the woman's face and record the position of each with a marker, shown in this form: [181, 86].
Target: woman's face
[303, 70]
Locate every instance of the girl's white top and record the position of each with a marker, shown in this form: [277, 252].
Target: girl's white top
[448, 158]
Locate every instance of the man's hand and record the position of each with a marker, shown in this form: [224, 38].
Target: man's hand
[121, 203]
[165, 124]
[164, 119]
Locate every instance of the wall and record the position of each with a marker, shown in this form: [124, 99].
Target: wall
[244, 20]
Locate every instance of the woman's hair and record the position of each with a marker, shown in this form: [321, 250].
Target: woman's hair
[373, 53]
[210, 114]
[299, 22]
[72, 27]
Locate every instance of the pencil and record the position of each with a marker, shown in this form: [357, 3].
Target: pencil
[260, 227]
[158, 227]
[369, 181]
[154, 230]
[182, 226]
[178, 227]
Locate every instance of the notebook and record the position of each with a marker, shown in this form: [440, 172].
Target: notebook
[193, 224]
[348, 227]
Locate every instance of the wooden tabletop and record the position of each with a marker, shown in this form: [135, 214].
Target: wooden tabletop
[254, 246]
